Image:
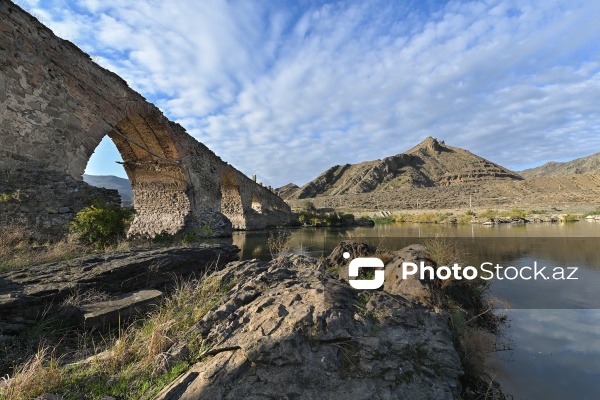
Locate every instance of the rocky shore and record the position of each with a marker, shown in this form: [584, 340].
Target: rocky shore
[288, 328]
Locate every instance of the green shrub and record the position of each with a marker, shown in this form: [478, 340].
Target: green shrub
[383, 220]
[465, 219]
[402, 217]
[536, 212]
[338, 218]
[428, 218]
[309, 207]
[100, 225]
[569, 217]
[488, 214]
[595, 212]
[517, 213]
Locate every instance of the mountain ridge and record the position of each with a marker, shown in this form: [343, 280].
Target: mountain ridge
[583, 165]
[428, 164]
[112, 182]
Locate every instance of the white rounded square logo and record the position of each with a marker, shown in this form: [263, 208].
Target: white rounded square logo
[366, 262]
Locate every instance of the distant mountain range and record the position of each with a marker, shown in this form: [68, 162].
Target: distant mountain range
[112, 182]
[430, 163]
[583, 165]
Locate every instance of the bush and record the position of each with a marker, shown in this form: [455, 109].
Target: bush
[569, 217]
[488, 214]
[595, 212]
[383, 220]
[517, 213]
[427, 218]
[100, 225]
[465, 219]
[309, 207]
[536, 212]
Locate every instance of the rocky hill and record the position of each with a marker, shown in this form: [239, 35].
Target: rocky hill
[583, 165]
[431, 163]
[287, 191]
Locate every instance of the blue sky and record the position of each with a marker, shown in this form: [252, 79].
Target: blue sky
[285, 90]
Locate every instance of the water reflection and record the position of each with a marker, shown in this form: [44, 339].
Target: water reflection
[556, 354]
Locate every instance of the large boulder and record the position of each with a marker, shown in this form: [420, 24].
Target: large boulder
[411, 288]
[354, 249]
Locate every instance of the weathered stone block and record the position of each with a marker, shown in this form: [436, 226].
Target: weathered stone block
[114, 312]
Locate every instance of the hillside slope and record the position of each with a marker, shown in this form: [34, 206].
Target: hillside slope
[583, 165]
[430, 163]
[112, 182]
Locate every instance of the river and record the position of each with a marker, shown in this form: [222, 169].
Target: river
[553, 325]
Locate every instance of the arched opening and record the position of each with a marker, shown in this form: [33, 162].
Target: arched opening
[152, 164]
[256, 205]
[231, 201]
[105, 170]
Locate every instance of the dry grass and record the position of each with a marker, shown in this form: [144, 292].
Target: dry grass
[132, 364]
[19, 248]
[38, 373]
[444, 250]
[279, 244]
[89, 296]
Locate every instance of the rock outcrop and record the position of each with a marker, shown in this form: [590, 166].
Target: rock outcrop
[431, 163]
[26, 295]
[287, 191]
[290, 329]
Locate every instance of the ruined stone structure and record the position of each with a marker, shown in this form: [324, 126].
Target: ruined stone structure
[56, 105]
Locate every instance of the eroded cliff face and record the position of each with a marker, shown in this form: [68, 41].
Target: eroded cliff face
[56, 105]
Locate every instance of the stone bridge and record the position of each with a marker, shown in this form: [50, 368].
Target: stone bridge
[56, 105]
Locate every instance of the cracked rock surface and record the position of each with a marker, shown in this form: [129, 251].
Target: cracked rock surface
[291, 330]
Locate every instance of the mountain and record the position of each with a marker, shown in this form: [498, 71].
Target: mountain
[583, 165]
[430, 163]
[287, 191]
[112, 182]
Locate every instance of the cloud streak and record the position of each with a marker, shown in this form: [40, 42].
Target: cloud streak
[287, 91]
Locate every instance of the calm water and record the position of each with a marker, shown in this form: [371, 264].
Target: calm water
[554, 327]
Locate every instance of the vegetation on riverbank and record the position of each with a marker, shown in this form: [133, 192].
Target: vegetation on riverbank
[473, 316]
[514, 215]
[311, 216]
[130, 363]
[98, 228]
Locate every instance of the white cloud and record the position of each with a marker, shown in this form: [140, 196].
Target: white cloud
[287, 92]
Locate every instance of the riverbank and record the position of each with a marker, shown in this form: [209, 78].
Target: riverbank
[250, 327]
[483, 216]
[575, 193]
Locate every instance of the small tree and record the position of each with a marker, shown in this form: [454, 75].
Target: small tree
[309, 207]
[100, 225]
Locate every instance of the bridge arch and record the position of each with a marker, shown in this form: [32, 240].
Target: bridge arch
[56, 105]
